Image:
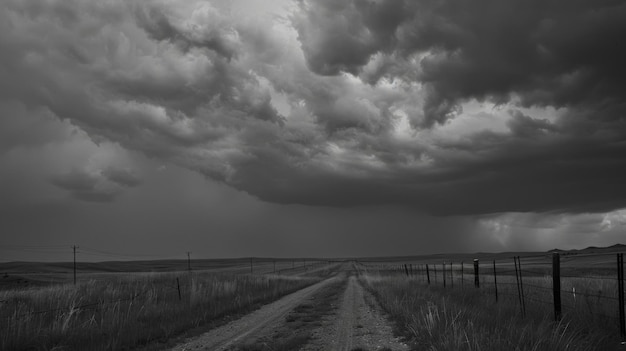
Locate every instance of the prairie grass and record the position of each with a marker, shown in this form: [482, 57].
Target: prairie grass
[434, 318]
[130, 311]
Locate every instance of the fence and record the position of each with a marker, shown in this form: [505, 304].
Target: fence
[593, 283]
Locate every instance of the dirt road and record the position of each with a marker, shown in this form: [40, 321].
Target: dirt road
[357, 325]
[257, 323]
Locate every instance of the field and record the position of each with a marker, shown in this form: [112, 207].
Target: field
[516, 304]
[43, 310]
[408, 303]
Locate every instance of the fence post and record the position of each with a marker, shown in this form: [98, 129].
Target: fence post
[476, 274]
[435, 271]
[519, 292]
[427, 274]
[521, 286]
[406, 269]
[556, 285]
[620, 286]
[178, 286]
[495, 279]
[443, 272]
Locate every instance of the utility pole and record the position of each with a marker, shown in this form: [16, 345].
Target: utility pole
[189, 261]
[74, 247]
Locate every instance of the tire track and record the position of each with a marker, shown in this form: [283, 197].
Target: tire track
[257, 323]
[357, 325]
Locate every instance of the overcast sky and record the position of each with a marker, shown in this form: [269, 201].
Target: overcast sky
[310, 128]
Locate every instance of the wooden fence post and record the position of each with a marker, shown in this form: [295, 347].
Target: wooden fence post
[476, 274]
[406, 269]
[443, 272]
[495, 279]
[620, 287]
[178, 286]
[521, 285]
[427, 274]
[556, 285]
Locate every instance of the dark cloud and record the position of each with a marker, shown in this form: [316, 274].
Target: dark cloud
[160, 27]
[527, 127]
[96, 186]
[85, 186]
[124, 177]
[76, 181]
[544, 52]
[341, 36]
[371, 98]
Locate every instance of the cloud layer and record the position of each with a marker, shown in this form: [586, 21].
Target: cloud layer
[445, 107]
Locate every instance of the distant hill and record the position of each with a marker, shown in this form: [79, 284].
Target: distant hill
[595, 249]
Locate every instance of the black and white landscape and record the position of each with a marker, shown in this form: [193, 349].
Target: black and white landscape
[368, 137]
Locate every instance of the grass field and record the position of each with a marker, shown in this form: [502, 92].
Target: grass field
[461, 316]
[157, 301]
[132, 309]
[433, 319]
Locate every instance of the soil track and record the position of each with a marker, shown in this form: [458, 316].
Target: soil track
[255, 324]
[357, 325]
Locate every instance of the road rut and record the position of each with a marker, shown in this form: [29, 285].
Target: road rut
[358, 325]
[257, 323]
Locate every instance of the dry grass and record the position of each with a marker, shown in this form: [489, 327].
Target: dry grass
[434, 318]
[129, 311]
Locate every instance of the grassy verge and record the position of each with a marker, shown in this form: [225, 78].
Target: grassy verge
[434, 318]
[301, 322]
[130, 311]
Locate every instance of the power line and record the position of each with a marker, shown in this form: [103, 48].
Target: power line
[91, 250]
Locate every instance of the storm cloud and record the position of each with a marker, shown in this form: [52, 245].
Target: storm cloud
[440, 106]
[543, 53]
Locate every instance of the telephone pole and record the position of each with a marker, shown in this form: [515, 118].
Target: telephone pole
[74, 247]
